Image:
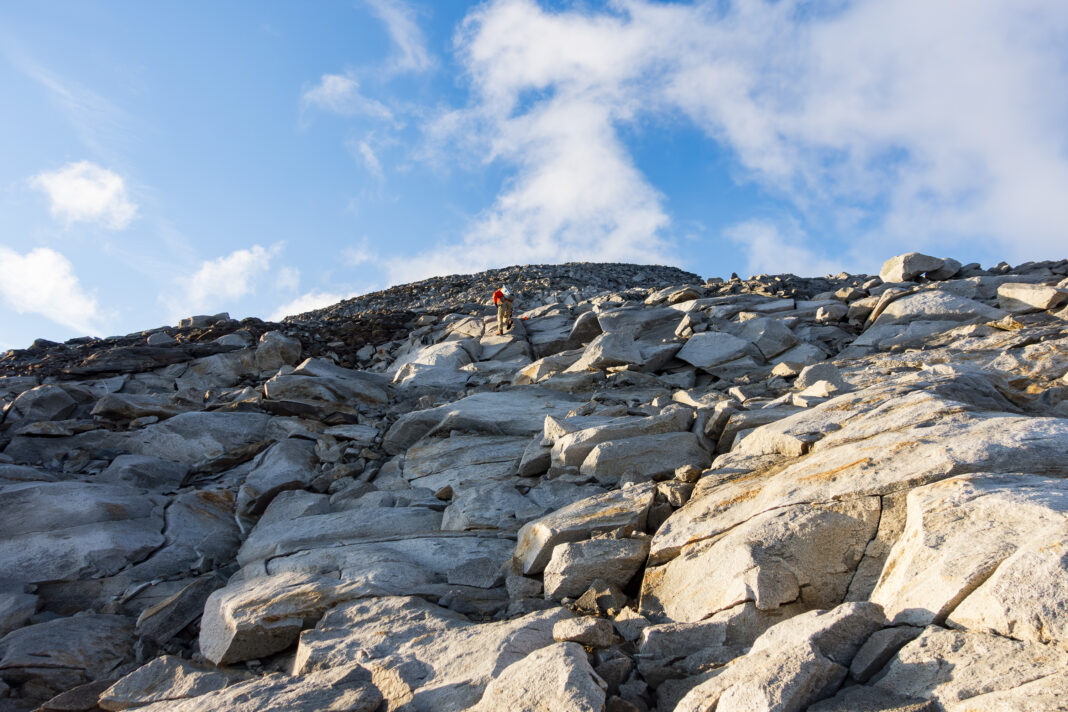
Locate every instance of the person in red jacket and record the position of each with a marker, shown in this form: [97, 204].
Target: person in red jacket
[503, 299]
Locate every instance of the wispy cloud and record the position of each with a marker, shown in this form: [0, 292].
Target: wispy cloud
[218, 283]
[410, 54]
[360, 253]
[340, 94]
[43, 282]
[902, 121]
[364, 152]
[314, 299]
[85, 192]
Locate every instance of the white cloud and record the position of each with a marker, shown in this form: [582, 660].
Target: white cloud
[411, 54]
[364, 152]
[288, 279]
[777, 249]
[340, 94]
[85, 192]
[360, 253]
[43, 282]
[219, 282]
[307, 302]
[902, 122]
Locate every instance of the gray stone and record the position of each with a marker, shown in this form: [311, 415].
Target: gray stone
[1025, 298]
[950, 268]
[557, 677]
[934, 306]
[146, 472]
[837, 633]
[646, 456]
[576, 565]
[606, 350]
[908, 266]
[63, 531]
[343, 689]
[627, 507]
[165, 678]
[820, 372]
[878, 649]
[770, 336]
[16, 609]
[585, 630]
[45, 402]
[713, 348]
[164, 620]
[289, 464]
[52, 657]
[275, 350]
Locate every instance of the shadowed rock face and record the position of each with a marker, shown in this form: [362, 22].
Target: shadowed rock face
[654, 492]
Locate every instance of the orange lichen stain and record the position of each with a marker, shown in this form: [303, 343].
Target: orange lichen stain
[831, 473]
[741, 497]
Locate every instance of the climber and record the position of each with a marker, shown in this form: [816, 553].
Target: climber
[503, 299]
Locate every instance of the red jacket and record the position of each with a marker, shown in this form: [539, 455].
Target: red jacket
[498, 297]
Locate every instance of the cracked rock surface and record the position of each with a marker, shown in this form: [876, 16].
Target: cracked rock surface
[656, 492]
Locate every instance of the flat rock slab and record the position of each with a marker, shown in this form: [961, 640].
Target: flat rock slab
[646, 456]
[62, 531]
[936, 306]
[435, 463]
[517, 412]
[576, 565]
[557, 677]
[430, 658]
[165, 678]
[343, 689]
[627, 507]
[289, 464]
[52, 657]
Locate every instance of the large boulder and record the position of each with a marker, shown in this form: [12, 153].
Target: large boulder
[557, 677]
[47, 402]
[289, 464]
[645, 457]
[713, 348]
[576, 565]
[908, 266]
[64, 531]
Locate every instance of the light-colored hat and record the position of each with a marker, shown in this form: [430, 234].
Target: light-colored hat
[506, 292]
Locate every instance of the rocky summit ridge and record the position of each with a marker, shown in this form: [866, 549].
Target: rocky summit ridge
[656, 492]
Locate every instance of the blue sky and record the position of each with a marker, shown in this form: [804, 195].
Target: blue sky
[164, 159]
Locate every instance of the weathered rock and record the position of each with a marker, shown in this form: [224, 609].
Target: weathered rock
[125, 406]
[432, 658]
[289, 464]
[517, 412]
[958, 532]
[646, 456]
[146, 472]
[954, 667]
[613, 510]
[164, 620]
[878, 649]
[607, 350]
[439, 462]
[343, 689]
[165, 678]
[770, 336]
[908, 266]
[557, 677]
[275, 350]
[48, 658]
[1025, 298]
[936, 306]
[837, 633]
[710, 349]
[576, 565]
[46, 402]
[264, 615]
[572, 448]
[16, 609]
[585, 630]
[53, 531]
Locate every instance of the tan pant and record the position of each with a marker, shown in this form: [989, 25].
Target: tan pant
[504, 316]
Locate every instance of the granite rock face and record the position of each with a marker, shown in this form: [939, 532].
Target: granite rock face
[655, 492]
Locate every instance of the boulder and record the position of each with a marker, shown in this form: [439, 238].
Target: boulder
[435, 463]
[572, 443]
[275, 350]
[432, 658]
[16, 609]
[585, 630]
[51, 657]
[288, 464]
[262, 616]
[908, 266]
[126, 406]
[645, 456]
[146, 472]
[519, 412]
[770, 336]
[166, 678]
[343, 689]
[1025, 298]
[64, 531]
[557, 677]
[936, 306]
[47, 402]
[958, 532]
[614, 349]
[626, 507]
[576, 565]
[709, 349]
